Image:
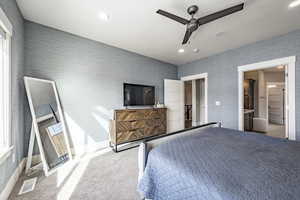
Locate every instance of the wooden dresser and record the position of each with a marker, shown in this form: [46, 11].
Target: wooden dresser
[135, 124]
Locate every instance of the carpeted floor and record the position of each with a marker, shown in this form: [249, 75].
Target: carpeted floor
[102, 175]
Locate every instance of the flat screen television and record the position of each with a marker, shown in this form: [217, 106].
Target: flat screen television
[139, 95]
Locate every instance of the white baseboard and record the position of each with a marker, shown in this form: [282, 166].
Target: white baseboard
[12, 181]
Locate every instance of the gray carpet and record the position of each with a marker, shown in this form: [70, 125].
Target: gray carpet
[102, 176]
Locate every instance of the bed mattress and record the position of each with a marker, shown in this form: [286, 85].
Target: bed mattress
[223, 164]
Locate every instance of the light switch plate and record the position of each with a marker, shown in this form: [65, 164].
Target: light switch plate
[218, 103]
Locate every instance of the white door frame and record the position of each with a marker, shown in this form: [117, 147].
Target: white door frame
[290, 63]
[196, 77]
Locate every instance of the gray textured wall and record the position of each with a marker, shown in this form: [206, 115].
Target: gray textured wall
[89, 76]
[223, 76]
[7, 168]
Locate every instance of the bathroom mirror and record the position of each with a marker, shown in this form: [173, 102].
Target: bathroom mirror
[47, 123]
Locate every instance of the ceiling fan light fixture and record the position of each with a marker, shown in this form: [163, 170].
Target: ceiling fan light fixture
[196, 50]
[181, 50]
[294, 4]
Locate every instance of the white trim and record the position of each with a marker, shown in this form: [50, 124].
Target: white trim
[290, 63]
[5, 23]
[6, 132]
[194, 102]
[30, 149]
[5, 153]
[196, 77]
[12, 181]
[9, 99]
[267, 64]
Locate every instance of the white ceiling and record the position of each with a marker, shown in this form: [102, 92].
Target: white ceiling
[135, 26]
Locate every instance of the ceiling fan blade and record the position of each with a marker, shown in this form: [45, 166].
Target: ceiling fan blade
[220, 14]
[174, 17]
[187, 36]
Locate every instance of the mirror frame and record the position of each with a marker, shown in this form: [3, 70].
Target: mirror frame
[46, 168]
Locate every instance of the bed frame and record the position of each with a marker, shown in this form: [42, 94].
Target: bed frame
[146, 146]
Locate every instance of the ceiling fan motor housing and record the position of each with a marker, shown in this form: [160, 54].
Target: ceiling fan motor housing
[193, 25]
[192, 9]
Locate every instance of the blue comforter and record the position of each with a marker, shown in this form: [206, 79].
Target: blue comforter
[223, 164]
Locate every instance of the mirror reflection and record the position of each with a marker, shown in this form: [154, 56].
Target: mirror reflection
[49, 121]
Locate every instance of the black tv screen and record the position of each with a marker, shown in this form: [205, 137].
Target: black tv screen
[138, 95]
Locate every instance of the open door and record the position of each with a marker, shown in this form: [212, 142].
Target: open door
[174, 101]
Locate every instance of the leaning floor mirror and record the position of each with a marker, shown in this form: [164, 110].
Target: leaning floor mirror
[48, 125]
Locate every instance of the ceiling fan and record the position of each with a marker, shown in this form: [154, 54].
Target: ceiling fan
[193, 24]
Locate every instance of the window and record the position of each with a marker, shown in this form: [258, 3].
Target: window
[5, 90]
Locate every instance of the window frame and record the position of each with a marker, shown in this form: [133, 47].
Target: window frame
[6, 145]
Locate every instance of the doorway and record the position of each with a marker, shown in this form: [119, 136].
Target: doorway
[264, 101]
[186, 100]
[272, 101]
[195, 96]
[194, 102]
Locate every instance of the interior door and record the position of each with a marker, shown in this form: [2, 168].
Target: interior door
[276, 105]
[174, 101]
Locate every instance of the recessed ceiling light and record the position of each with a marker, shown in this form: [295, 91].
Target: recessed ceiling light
[294, 4]
[196, 50]
[181, 50]
[103, 16]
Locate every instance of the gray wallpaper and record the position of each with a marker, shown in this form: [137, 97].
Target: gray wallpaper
[223, 76]
[7, 168]
[89, 77]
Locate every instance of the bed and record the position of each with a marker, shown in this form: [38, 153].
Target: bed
[213, 163]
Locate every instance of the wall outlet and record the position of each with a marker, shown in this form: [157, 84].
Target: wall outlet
[218, 103]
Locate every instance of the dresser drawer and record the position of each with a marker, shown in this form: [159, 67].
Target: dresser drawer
[151, 114]
[129, 125]
[129, 115]
[155, 130]
[153, 122]
[155, 127]
[127, 136]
